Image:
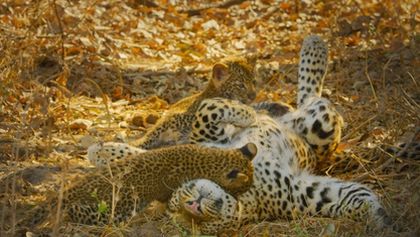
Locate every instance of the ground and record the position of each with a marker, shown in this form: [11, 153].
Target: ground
[76, 72]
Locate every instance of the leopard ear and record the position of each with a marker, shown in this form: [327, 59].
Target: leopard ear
[249, 150]
[251, 60]
[220, 74]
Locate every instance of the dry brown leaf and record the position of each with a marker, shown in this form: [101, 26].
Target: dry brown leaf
[285, 6]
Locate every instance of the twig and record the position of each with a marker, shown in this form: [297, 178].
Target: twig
[196, 11]
[104, 100]
[377, 169]
[225, 4]
[60, 26]
[114, 193]
[409, 98]
[370, 81]
[412, 78]
[269, 13]
[150, 73]
[384, 68]
[147, 3]
[358, 127]
[60, 203]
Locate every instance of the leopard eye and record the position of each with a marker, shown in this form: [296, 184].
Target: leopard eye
[242, 86]
[233, 174]
[191, 186]
[218, 203]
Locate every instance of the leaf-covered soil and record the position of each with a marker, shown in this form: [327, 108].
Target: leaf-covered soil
[77, 72]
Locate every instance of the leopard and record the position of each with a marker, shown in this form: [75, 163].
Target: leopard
[291, 142]
[289, 147]
[124, 188]
[232, 78]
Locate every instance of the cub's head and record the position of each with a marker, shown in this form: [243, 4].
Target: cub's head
[232, 169]
[237, 175]
[234, 79]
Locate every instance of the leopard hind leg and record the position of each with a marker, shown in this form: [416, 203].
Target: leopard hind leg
[312, 68]
[320, 125]
[315, 119]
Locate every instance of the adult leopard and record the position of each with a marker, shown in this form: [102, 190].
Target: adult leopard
[290, 144]
[288, 148]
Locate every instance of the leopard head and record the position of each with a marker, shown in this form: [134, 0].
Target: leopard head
[232, 169]
[234, 79]
[204, 200]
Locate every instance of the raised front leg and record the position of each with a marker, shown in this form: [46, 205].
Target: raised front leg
[218, 120]
[170, 130]
[101, 154]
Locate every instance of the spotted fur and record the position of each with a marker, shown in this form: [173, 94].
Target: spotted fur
[289, 146]
[130, 184]
[318, 123]
[312, 68]
[102, 153]
[283, 186]
[290, 142]
[316, 119]
[303, 195]
[233, 79]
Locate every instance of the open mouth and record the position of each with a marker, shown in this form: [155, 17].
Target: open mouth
[194, 208]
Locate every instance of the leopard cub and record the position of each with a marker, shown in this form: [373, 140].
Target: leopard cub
[126, 187]
[232, 78]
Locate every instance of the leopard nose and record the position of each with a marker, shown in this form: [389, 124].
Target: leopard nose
[193, 206]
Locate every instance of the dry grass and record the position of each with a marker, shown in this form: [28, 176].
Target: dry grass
[50, 75]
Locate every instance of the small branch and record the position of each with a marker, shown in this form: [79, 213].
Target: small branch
[349, 134]
[370, 82]
[104, 100]
[412, 78]
[147, 3]
[378, 169]
[225, 4]
[60, 26]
